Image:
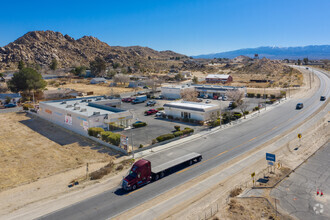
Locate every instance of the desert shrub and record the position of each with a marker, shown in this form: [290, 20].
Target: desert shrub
[201, 123]
[27, 106]
[165, 137]
[178, 133]
[177, 127]
[250, 95]
[215, 123]
[256, 108]
[95, 131]
[138, 125]
[265, 96]
[186, 119]
[120, 167]
[98, 174]
[233, 105]
[114, 139]
[237, 115]
[272, 96]
[246, 112]
[170, 117]
[160, 109]
[192, 121]
[105, 134]
[188, 131]
[235, 192]
[258, 95]
[153, 141]
[141, 146]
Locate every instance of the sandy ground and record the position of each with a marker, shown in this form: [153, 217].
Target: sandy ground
[39, 189]
[83, 85]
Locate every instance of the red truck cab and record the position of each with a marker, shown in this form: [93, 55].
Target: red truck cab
[140, 174]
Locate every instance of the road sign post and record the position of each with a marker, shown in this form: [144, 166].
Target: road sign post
[252, 175]
[271, 159]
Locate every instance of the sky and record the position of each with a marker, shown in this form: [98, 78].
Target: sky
[190, 27]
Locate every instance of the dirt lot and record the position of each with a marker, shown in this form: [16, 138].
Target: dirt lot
[33, 148]
[83, 85]
[251, 208]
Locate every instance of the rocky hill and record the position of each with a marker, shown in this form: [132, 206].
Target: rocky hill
[41, 47]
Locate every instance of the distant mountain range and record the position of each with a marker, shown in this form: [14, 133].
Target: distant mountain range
[312, 52]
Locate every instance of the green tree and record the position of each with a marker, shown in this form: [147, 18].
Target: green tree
[195, 79]
[1, 75]
[25, 80]
[299, 62]
[98, 66]
[21, 64]
[116, 65]
[305, 60]
[79, 71]
[111, 73]
[53, 65]
[178, 77]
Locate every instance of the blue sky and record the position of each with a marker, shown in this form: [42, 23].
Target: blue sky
[190, 27]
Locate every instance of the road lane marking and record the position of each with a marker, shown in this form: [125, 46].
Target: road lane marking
[133, 192]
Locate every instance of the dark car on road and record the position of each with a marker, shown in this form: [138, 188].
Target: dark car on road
[299, 106]
[10, 105]
[322, 98]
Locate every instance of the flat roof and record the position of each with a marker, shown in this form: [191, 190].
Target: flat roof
[89, 104]
[195, 106]
[218, 76]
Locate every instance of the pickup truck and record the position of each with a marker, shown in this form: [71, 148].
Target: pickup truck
[139, 99]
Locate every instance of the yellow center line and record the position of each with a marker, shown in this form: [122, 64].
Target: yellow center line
[133, 192]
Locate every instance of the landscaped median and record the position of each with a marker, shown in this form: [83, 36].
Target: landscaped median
[178, 133]
[106, 136]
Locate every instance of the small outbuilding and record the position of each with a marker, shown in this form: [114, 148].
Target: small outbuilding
[98, 80]
[218, 78]
[192, 110]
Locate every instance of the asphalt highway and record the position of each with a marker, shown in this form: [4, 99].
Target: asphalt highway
[216, 149]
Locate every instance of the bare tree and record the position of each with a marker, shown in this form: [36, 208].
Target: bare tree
[237, 96]
[189, 94]
[152, 84]
[121, 78]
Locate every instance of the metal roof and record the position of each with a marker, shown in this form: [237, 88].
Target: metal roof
[194, 106]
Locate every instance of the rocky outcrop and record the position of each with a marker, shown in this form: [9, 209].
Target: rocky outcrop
[41, 47]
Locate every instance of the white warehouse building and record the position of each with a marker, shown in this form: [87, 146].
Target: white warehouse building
[82, 113]
[209, 91]
[192, 110]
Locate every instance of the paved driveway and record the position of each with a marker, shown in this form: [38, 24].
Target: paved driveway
[156, 126]
[297, 194]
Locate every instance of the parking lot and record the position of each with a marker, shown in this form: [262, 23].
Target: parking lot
[157, 126]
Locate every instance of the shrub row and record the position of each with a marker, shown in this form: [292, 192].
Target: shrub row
[165, 137]
[110, 137]
[138, 125]
[160, 109]
[95, 132]
[27, 106]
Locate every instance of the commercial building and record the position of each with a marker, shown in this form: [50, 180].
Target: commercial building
[192, 110]
[212, 91]
[82, 113]
[173, 91]
[218, 78]
[204, 91]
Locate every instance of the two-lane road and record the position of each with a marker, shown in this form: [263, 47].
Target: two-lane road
[216, 148]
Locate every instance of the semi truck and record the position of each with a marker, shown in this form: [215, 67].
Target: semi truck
[156, 167]
[139, 99]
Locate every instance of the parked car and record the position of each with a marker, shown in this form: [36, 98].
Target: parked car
[151, 103]
[205, 96]
[10, 105]
[299, 106]
[323, 98]
[224, 98]
[208, 101]
[137, 122]
[160, 114]
[127, 99]
[151, 112]
[145, 87]
[199, 100]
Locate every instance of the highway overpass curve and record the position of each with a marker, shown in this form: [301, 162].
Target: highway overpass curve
[216, 149]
